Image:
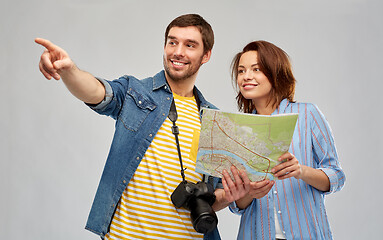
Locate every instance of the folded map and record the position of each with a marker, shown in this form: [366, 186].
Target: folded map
[248, 141]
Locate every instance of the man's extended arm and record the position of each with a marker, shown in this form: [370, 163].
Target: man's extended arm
[55, 62]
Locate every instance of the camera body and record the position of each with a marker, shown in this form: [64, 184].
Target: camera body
[198, 198]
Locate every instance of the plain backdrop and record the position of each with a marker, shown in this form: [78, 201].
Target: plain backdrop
[53, 148]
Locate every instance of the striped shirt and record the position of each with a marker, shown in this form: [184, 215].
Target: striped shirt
[145, 210]
[300, 207]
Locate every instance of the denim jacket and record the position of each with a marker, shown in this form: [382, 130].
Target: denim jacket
[139, 108]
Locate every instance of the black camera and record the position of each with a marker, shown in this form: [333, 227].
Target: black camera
[198, 199]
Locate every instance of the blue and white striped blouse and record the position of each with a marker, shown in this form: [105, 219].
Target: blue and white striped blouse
[300, 207]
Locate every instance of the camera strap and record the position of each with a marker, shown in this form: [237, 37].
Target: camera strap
[175, 130]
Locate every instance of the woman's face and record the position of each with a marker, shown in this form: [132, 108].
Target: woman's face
[251, 81]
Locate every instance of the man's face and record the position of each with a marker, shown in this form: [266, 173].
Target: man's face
[184, 53]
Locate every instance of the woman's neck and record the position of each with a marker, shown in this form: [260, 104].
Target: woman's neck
[264, 108]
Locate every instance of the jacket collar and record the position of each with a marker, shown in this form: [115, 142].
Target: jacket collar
[159, 81]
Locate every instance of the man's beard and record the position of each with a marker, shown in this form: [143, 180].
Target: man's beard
[176, 77]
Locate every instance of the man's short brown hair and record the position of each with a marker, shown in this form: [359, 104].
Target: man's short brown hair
[196, 20]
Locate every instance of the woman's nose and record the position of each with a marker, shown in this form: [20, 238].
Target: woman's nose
[248, 75]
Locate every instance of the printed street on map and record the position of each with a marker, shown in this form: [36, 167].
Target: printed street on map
[248, 141]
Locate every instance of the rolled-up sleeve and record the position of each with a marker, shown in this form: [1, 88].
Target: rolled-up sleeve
[235, 209]
[108, 96]
[324, 150]
[115, 93]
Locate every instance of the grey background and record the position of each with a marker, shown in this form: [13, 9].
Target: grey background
[53, 149]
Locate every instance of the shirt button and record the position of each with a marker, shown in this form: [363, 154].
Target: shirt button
[150, 135]
[166, 87]
[139, 102]
[168, 98]
[124, 181]
[275, 192]
[163, 114]
[279, 212]
[137, 158]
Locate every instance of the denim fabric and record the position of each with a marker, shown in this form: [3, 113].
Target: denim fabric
[139, 108]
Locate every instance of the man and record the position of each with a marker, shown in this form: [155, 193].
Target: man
[143, 168]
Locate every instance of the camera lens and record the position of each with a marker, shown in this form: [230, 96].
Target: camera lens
[202, 216]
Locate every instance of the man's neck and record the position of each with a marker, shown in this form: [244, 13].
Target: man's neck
[183, 88]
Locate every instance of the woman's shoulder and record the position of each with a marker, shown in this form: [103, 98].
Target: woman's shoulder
[309, 111]
[305, 110]
[302, 106]
[305, 104]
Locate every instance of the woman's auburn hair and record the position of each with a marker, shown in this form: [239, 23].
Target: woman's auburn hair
[276, 65]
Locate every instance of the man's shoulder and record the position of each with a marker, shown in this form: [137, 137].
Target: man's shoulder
[159, 76]
[203, 101]
[146, 83]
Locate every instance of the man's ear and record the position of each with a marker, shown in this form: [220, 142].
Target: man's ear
[206, 57]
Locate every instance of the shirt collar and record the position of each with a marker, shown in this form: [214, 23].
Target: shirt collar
[280, 109]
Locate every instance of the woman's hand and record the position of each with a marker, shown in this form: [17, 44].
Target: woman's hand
[289, 167]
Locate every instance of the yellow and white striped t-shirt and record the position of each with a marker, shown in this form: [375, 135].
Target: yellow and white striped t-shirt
[145, 210]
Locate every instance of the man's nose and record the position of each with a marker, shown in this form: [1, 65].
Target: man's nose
[180, 50]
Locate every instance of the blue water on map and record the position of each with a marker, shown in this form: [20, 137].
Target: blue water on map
[230, 154]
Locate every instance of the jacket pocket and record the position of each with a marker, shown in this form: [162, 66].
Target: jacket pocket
[135, 109]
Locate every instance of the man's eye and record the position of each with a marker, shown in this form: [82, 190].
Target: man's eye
[190, 45]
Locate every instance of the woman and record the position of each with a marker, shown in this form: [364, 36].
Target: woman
[291, 207]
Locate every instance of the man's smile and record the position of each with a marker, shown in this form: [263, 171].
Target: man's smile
[178, 63]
